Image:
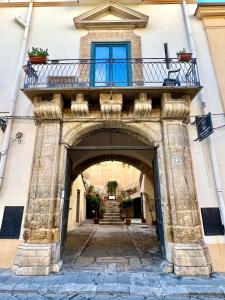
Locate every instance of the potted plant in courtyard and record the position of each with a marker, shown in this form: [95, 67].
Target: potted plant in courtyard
[95, 200]
[38, 55]
[129, 204]
[184, 56]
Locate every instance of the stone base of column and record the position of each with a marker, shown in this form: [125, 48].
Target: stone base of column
[191, 260]
[37, 259]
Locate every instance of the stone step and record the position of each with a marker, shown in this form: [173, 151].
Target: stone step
[111, 220]
[111, 223]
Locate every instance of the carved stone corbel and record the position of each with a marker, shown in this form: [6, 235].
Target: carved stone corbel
[79, 107]
[47, 109]
[175, 108]
[142, 106]
[111, 105]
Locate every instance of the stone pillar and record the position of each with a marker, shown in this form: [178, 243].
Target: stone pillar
[40, 252]
[188, 252]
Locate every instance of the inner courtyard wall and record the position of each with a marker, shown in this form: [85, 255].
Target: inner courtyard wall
[126, 175]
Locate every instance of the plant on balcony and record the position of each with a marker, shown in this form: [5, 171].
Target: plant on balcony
[184, 56]
[38, 55]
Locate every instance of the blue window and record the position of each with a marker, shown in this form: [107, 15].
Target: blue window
[111, 64]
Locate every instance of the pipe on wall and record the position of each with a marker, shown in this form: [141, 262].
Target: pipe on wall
[15, 91]
[210, 141]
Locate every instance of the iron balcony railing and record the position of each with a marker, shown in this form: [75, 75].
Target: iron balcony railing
[136, 72]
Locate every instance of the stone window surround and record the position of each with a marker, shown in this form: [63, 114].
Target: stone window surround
[110, 36]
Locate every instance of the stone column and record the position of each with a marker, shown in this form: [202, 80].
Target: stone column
[188, 252]
[40, 252]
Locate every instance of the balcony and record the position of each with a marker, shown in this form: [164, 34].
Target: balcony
[91, 76]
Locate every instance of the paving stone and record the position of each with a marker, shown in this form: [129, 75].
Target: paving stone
[4, 278]
[113, 288]
[84, 278]
[123, 278]
[137, 279]
[110, 278]
[97, 278]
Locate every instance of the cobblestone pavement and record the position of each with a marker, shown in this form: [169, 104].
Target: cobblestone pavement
[111, 264]
[112, 247]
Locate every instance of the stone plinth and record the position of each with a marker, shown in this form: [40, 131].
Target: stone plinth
[37, 259]
[191, 260]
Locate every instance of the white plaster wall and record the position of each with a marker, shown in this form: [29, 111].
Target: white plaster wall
[77, 185]
[202, 162]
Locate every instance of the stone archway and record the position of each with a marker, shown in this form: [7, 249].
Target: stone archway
[185, 251]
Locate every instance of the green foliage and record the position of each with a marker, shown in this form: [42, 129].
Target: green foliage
[94, 198]
[111, 187]
[35, 51]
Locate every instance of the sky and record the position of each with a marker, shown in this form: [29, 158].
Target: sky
[210, 1]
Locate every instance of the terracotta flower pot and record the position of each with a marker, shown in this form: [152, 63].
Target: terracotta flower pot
[38, 59]
[184, 57]
[96, 220]
[128, 221]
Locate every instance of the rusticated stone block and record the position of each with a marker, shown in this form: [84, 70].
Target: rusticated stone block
[191, 271]
[190, 260]
[45, 260]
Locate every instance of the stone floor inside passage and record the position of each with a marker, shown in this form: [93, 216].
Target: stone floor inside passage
[111, 262]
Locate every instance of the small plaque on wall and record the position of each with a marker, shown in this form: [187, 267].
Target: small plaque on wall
[212, 221]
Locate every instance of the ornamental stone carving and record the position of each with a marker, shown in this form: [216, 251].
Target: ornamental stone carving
[142, 106]
[111, 105]
[79, 107]
[47, 109]
[175, 108]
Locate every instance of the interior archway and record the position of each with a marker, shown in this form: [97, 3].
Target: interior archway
[106, 145]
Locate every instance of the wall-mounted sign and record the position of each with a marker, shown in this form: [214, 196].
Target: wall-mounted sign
[112, 197]
[204, 126]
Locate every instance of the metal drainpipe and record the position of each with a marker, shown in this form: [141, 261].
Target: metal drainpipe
[216, 173]
[15, 93]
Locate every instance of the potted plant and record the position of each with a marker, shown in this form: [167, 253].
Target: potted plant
[129, 203]
[184, 56]
[95, 200]
[38, 55]
[122, 207]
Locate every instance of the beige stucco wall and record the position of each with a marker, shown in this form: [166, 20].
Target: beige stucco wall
[7, 252]
[78, 184]
[52, 28]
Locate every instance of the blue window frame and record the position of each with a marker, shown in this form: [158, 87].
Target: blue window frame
[111, 64]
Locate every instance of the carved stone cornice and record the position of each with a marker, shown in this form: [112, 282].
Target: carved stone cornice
[142, 106]
[175, 108]
[111, 105]
[45, 109]
[210, 10]
[79, 107]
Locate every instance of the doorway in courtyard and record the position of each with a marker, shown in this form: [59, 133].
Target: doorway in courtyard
[112, 216]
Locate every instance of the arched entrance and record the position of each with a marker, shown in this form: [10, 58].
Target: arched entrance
[54, 164]
[113, 144]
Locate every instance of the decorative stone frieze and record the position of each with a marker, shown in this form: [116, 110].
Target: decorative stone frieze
[142, 106]
[47, 109]
[79, 107]
[111, 105]
[175, 108]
